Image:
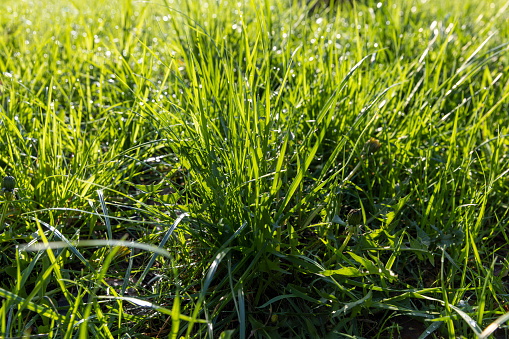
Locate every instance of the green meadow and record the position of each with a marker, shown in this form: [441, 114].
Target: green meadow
[254, 169]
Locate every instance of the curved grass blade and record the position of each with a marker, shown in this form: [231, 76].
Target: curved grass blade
[470, 322]
[493, 326]
[208, 280]
[163, 242]
[240, 304]
[148, 304]
[127, 273]
[279, 297]
[105, 212]
[431, 328]
[350, 306]
[86, 243]
[64, 239]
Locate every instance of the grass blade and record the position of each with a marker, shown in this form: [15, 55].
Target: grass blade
[161, 245]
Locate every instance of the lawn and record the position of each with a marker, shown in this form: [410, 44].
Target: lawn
[254, 169]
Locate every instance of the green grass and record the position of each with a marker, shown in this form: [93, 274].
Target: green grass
[186, 170]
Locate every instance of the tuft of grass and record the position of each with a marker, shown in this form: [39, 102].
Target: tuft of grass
[187, 169]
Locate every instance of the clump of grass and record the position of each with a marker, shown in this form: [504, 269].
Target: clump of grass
[185, 169]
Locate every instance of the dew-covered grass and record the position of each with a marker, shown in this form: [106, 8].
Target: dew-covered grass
[254, 169]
